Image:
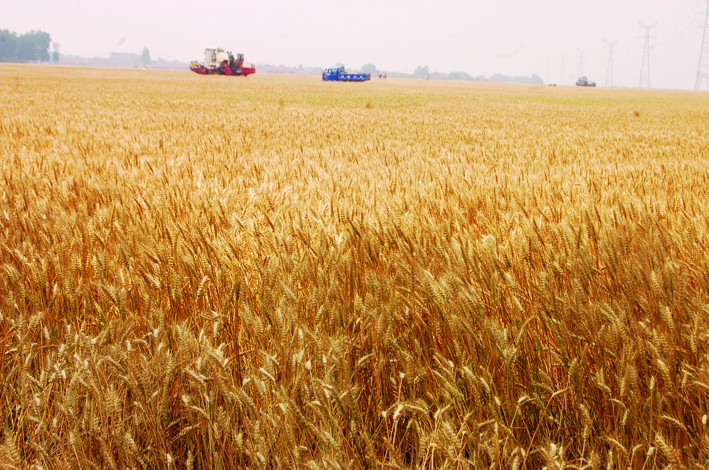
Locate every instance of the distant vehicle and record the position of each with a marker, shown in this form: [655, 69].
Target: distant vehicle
[338, 74]
[217, 61]
[584, 81]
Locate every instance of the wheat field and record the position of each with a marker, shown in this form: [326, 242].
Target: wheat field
[275, 272]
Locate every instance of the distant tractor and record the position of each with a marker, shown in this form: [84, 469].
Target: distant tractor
[220, 62]
[584, 81]
[338, 74]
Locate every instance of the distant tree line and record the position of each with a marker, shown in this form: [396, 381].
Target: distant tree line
[423, 71]
[27, 47]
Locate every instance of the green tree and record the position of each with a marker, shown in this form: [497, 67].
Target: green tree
[28, 47]
[8, 46]
[421, 71]
[146, 56]
[459, 76]
[369, 68]
[33, 47]
[55, 52]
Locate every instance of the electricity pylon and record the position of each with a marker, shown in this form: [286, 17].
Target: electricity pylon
[609, 69]
[645, 65]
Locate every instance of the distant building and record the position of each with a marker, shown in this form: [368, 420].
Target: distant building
[125, 59]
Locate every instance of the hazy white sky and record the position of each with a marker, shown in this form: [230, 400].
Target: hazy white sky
[555, 39]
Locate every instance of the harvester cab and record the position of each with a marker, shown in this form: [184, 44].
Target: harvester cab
[216, 57]
[221, 62]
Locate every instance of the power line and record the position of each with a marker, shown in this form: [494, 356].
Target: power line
[609, 68]
[703, 68]
[645, 65]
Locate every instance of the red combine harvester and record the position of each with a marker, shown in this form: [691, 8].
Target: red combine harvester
[221, 62]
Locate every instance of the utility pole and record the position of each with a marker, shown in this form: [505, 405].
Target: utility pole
[580, 71]
[609, 69]
[703, 68]
[645, 66]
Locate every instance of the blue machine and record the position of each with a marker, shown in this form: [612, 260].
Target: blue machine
[338, 74]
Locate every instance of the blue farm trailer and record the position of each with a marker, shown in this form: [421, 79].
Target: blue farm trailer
[338, 74]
